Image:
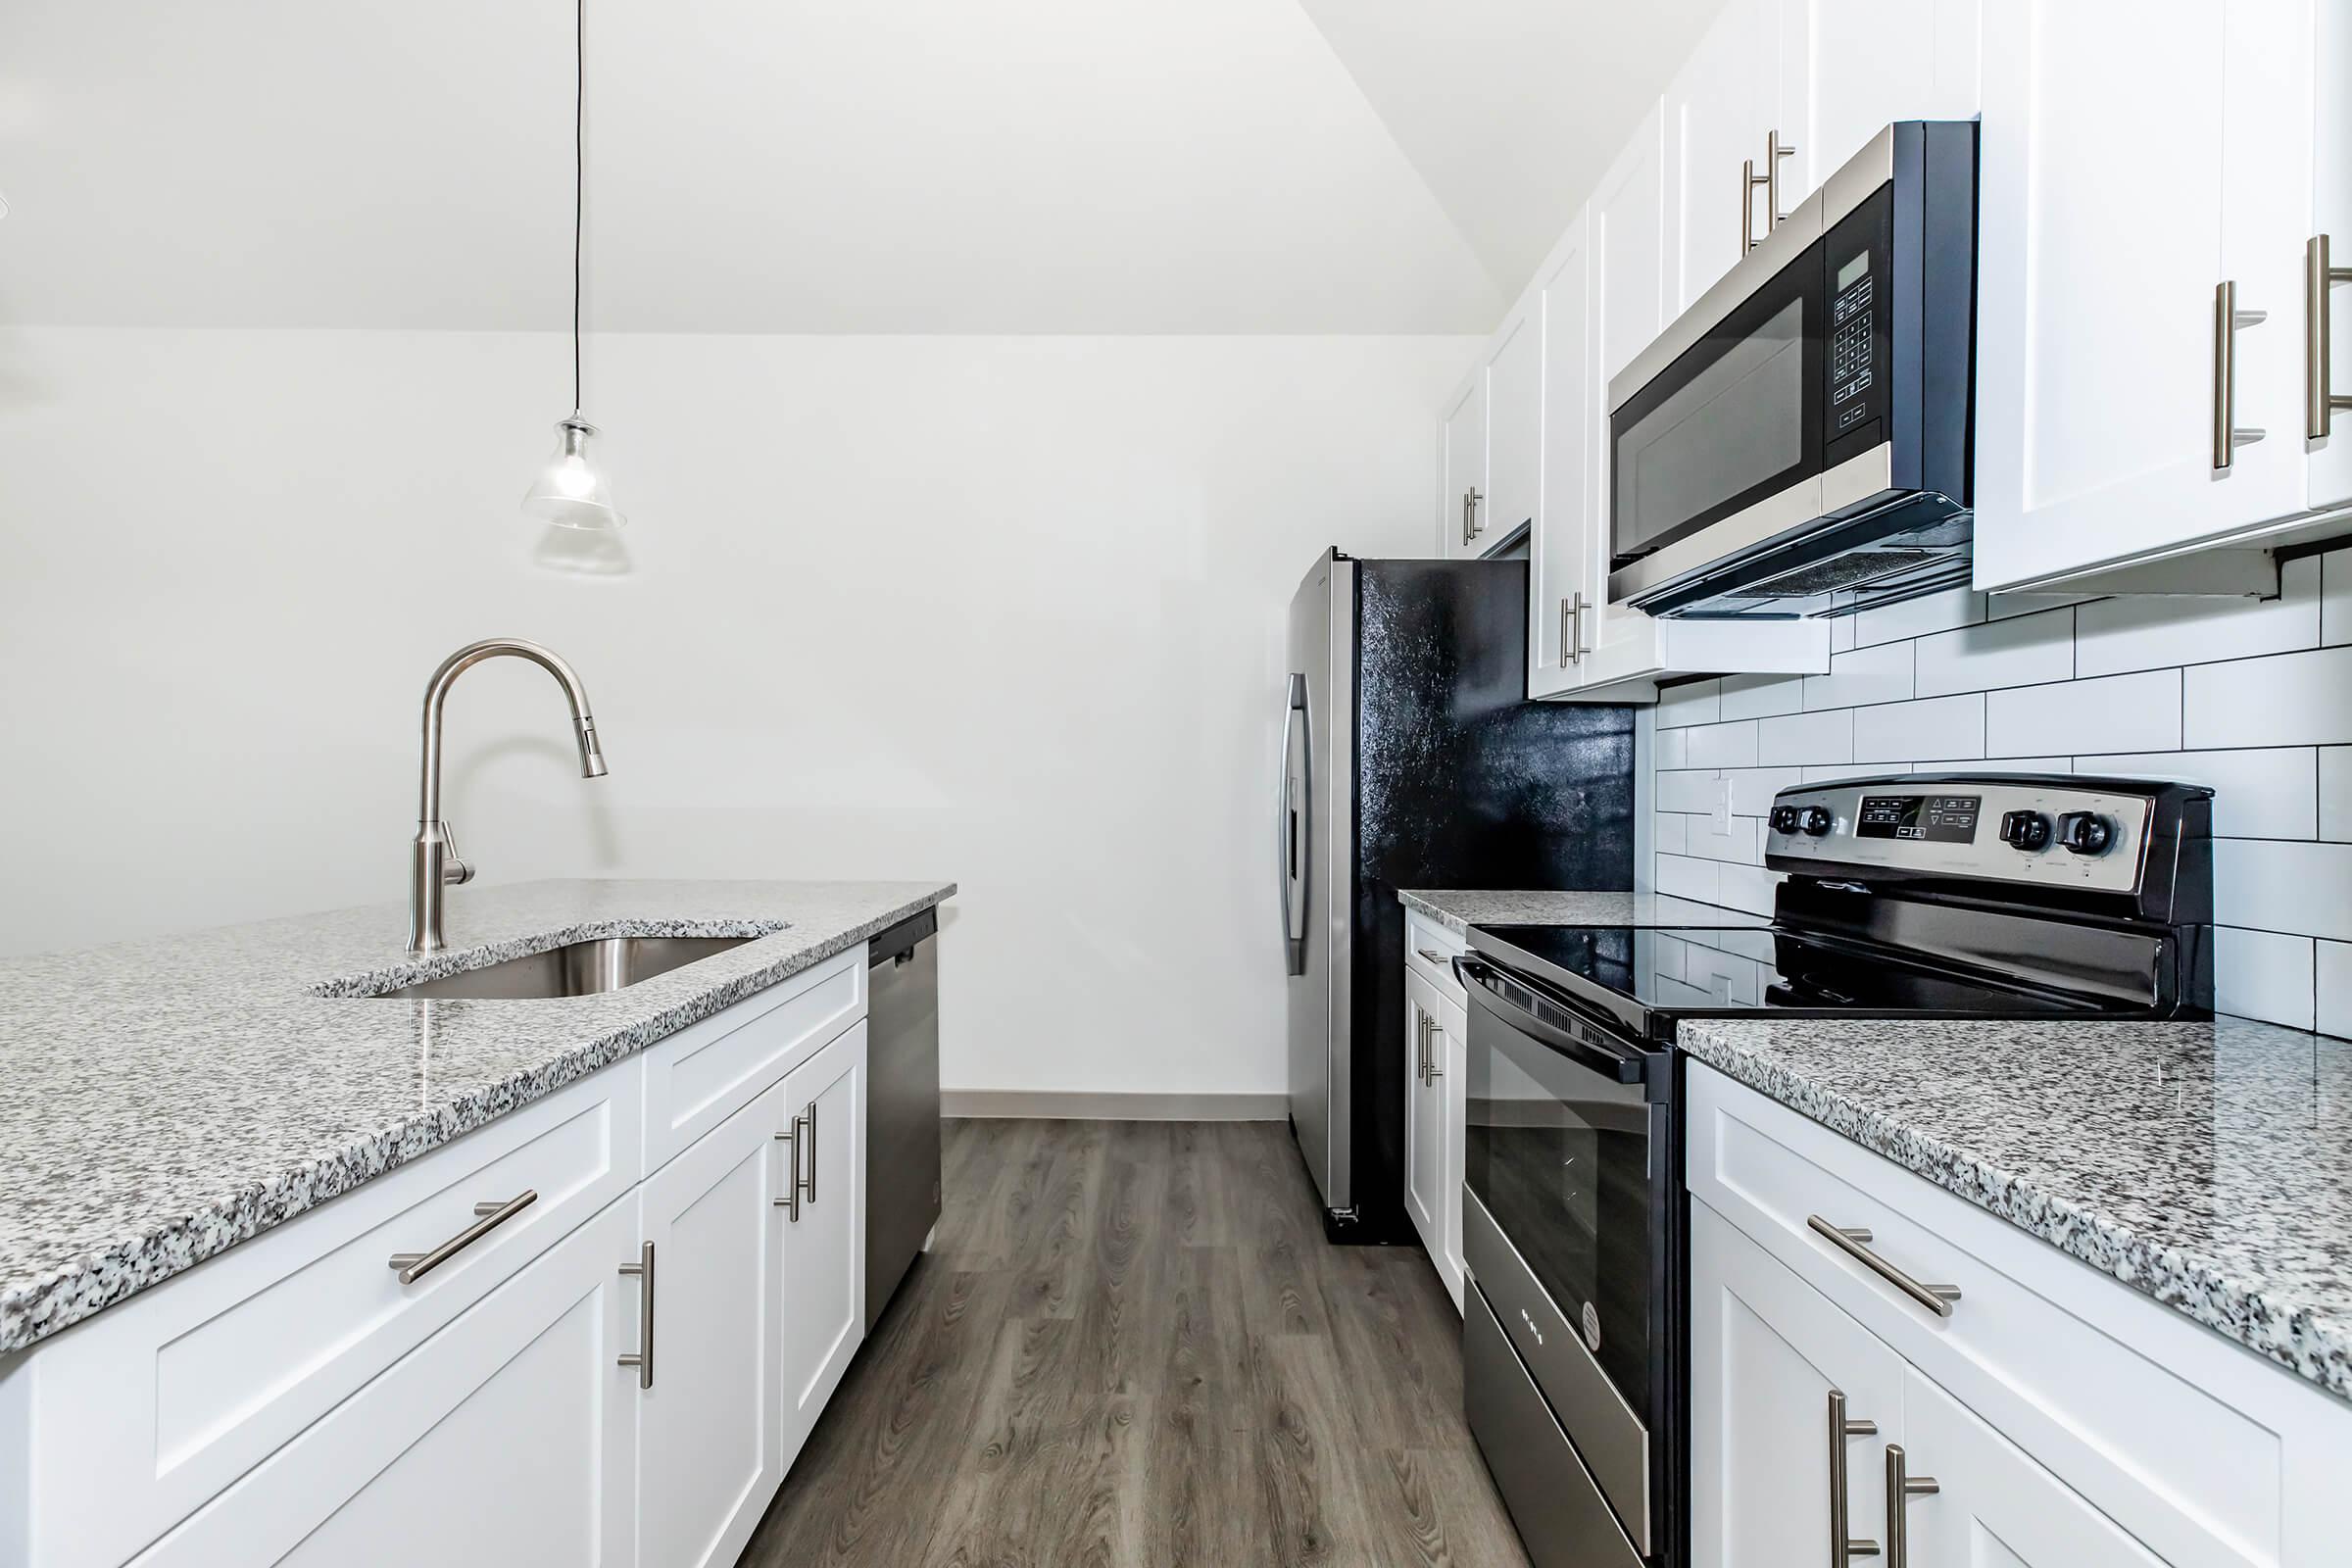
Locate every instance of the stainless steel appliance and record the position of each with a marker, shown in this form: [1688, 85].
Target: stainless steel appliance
[1411, 758]
[902, 1103]
[1804, 428]
[1912, 896]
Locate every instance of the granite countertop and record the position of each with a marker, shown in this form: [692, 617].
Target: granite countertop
[162, 1101]
[2206, 1164]
[1458, 910]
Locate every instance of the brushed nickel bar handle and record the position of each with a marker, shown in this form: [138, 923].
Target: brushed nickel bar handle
[1853, 1241]
[790, 1203]
[1842, 1547]
[1433, 956]
[2319, 400]
[1431, 1072]
[1568, 632]
[2228, 434]
[1583, 647]
[1901, 1487]
[808, 1148]
[1749, 180]
[642, 1359]
[1471, 526]
[414, 1266]
[1773, 152]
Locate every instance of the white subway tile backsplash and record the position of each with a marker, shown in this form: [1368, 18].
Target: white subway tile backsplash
[1762, 696]
[1698, 702]
[2262, 974]
[2285, 885]
[2335, 792]
[1939, 726]
[2117, 713]
[2006, 764]
[1837, 771]
[1799, 739]
[2000, 606]
[2335, 988]
[1669, 832]
[2153, 632]
[1724, 745]
[1879, 675]
[2285, 700]
[1917, 618]
[2268, 794]
[2025, 651]
[1752, 788]
[1683, 877]
[1691, 790]
[1668, 747]
[1743, 842]
[1746, 887]
[2335, 597]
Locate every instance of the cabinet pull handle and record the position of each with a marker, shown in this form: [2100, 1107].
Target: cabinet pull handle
[1432, 956]
[1749, 180]
[1901, 1487]
[1567, 633]
[1842, 1547]
[1855, 1241]
[1431, 1072]
[414, 1266]
[808, 1150]
[1420, 1045]
[1471, 526]
[642, 1359]
[790, 1203]
[2228, 434]
[2319, 400]
[1773, 152]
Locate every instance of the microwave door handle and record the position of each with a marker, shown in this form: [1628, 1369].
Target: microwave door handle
[1477, 976]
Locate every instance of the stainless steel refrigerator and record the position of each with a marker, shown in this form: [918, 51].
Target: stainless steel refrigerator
[1411, 758]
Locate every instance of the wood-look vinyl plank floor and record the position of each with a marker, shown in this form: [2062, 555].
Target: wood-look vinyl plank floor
[1131, 1348]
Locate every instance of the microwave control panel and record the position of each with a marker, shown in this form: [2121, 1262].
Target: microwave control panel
[1854, 318]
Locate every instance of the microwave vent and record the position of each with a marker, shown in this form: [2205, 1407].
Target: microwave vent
[1851, 570]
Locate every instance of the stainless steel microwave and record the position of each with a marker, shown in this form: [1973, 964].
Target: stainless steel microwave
[1800, 439]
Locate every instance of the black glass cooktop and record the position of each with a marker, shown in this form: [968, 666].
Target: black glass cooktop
[1691, 969]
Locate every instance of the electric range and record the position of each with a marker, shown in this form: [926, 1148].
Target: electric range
[1907, 896]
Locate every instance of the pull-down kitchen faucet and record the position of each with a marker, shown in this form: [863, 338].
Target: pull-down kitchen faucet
[434, 860]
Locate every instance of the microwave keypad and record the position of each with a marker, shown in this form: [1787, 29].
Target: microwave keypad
[1850, 349]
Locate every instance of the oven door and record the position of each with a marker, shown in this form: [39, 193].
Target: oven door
[1733, 427]
[1565, 1217]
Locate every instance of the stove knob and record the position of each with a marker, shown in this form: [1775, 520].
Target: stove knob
[1815, 821]
[1784, 818]
[2025, 830]
[2086, 833]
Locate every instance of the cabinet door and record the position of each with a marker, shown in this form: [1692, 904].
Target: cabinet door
[1994, 1504]
[1514, 430]
[1718, 112]
[1767, 1353]
[1453, 1040]
[1461, 495]
[1630, 306]
[1851, 66]
[1560, 549]
[1424, 1142]
[824, 1238]
[2097, 380]
[2331, 467]
[708, 1458]
[426, 1455]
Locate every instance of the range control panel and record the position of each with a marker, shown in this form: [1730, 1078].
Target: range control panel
[2032, 828]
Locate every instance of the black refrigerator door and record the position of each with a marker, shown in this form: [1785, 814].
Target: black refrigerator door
[1461, 782]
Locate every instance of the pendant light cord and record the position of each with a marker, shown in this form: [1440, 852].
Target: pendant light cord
[579, 178]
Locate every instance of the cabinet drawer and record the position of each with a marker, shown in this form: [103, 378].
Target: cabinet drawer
[1423, 937]
[146, 1412]
[705, 1073]
[2189, 1443]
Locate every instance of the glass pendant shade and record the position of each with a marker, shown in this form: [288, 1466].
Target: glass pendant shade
[571, 490]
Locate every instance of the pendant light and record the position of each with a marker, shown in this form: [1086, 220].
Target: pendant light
[570, 491]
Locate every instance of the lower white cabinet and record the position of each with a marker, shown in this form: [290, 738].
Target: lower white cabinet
[824, 1230]
[508, 1438]
[1434, 1035]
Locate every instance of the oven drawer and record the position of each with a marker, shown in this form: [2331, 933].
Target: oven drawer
[2128, 1402]
[1560, 1514]
[1612, 1439]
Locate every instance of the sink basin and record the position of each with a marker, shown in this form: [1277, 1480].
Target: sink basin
[579, 970]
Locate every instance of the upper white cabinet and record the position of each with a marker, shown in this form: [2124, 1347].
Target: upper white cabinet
[1560, 560]
[1848, 68]
[1462, 463]
[1514, 430]
[2332, 215]
[1721, 112]
[2138, 399]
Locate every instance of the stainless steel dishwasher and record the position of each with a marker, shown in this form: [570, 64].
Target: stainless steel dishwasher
[902, 1103]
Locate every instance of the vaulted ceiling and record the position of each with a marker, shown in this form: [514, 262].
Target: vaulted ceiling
[809, 166]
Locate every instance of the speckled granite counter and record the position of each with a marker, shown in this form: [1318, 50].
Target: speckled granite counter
[2207, 1164]
[162, 1101]
[1458, 910]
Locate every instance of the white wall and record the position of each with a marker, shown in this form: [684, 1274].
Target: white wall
[1002, 609]
[2252, 698]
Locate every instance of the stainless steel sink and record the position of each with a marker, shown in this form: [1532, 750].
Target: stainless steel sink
[580, 969]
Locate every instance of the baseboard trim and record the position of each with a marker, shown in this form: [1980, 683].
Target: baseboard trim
[1054, 1105]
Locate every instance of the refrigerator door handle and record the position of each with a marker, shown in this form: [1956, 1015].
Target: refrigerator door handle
[1291, 832]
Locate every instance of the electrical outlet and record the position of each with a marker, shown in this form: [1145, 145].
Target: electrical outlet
[1720, 813]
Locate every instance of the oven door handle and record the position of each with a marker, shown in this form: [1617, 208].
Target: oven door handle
[1476, 976]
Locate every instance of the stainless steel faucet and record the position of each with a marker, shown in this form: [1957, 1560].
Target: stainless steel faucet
[433, 862]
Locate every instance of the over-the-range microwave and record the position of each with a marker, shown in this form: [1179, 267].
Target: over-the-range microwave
[1799, 441]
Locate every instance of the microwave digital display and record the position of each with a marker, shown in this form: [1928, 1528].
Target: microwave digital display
[1922, 818]
[1852, 272]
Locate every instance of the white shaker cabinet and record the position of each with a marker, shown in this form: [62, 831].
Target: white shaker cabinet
[1462, 467]
[2141, 364]
[1722, 111]
[1562, 585]
[824, 1230]
[2330, 373]
[1424, 1134]
[1514, 430]
[1436, 1034]
[710, 1455]
[1850, 68]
